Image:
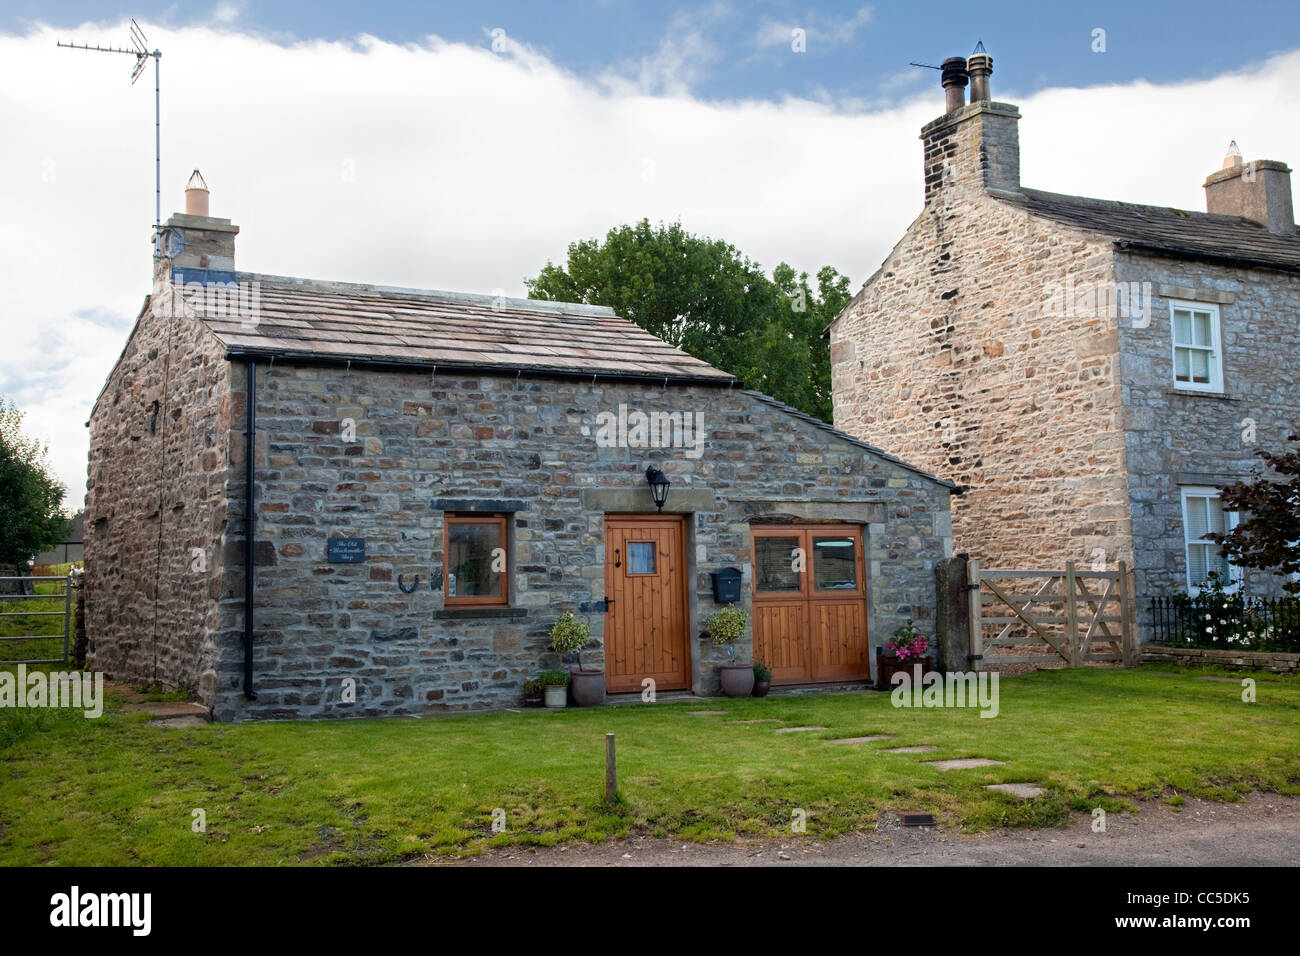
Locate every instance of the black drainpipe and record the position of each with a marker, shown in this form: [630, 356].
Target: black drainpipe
[250, 523]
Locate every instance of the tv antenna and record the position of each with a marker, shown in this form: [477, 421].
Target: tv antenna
[140, 50]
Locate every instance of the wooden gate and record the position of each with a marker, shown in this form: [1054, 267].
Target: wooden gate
[1083, 617]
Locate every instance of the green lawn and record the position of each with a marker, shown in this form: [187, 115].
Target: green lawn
[115, 791]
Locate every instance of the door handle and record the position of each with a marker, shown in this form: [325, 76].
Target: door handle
[618, 561]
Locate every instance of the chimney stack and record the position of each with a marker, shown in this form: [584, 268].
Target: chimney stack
[197, 247]
[974, 145]
[954, 83]
[1258, 190]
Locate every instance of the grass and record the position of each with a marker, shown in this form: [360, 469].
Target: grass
[117, 791]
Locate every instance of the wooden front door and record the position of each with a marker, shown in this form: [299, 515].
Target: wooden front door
[646, 620]
[810, 603]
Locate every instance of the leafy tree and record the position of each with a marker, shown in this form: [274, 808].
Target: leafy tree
[703, 296]
[31, 498]
[1268, 535]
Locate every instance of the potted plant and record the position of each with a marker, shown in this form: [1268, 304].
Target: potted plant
[905, 649]
[534, 691]
[724, 628]
[762, 679]
[569, 636]
[556, 684]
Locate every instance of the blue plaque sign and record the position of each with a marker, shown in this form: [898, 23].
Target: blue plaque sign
[346, 550]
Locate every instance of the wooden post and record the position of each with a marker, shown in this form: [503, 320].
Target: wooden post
[976, 628]
[611, 771]
[1071, 614]
[1128, 650]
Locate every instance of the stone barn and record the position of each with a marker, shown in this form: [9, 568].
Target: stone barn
[297, 487]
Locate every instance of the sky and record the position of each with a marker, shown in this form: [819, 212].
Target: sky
[462, 146]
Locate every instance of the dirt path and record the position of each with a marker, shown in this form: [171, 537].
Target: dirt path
[1261, 830]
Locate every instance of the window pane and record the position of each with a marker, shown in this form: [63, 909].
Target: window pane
[1200, 366]
[470, 559]
[834, 564]
[774, 563]
[1216, 522]
[1197, 564]
[1201, 328]
[1198, 522]
[641, 557]
[1182, 327]
[1182, 365]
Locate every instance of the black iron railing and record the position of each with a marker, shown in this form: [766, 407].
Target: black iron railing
[1228, 622]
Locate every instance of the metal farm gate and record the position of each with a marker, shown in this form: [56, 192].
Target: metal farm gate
[1042, 617]
[35, 627]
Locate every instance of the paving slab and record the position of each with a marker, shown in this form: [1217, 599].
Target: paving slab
[705, 713]
[964, 763]
[1025, 791]
[760, 720]
[796, 730]
[861, 740]
[922, 749]
[169, 708]
[187, 721]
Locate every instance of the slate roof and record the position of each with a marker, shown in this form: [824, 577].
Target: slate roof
[1178, 232]
[335, 322]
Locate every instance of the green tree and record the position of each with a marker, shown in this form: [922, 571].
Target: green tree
[31, 498]
[1267, 537]
[703, 296]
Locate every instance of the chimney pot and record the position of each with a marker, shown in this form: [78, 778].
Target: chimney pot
[954, 79]
[196, 195]
[980, 68]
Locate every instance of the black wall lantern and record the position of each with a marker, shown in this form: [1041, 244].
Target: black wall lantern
[658, 485]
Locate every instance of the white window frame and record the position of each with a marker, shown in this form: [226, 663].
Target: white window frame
[1215, 348]
[1230, 520]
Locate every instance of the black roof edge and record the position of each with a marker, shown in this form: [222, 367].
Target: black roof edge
[399, 365]
[791, 410]
[1199, 255]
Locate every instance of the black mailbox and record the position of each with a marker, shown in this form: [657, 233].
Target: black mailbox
[726, 585]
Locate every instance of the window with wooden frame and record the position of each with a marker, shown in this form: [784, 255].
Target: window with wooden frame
[1203, 515]
[823, 561]
[1198, 349]
[476, 560]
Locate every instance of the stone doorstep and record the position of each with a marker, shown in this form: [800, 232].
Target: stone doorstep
[1025, 791]
[922, 749]
[964, 763]
[796, 730]
[861, 740]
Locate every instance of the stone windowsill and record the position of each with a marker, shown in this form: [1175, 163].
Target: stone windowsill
[1192, 393]
[462, 613]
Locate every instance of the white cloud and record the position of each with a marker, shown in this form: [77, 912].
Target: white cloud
[820, 30]
[227, 13]
[469, 169]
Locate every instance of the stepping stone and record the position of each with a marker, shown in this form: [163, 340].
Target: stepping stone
[169, 708]
[923, 749]
[861, 740]
[1025, 791]
[797, 730]
[705, 713]
[760, 720]
[186, 721]
[962, 763]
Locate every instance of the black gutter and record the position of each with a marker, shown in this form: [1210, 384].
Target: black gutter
[250, 524]
[457, 368]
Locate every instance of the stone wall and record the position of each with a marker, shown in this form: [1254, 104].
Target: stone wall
[530, 445]
[156, 505]
[949, 358]
[1280, 662]
[1176, 437]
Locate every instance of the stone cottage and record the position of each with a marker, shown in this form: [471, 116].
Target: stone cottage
[1092, 372]
[318, 499]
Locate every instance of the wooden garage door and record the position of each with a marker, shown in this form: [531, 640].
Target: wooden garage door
[810, 603]
[645, 583]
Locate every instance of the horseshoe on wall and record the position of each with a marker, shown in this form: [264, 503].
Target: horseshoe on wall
[401, 585]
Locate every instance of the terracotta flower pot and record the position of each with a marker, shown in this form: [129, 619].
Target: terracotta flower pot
[534, 700]
[761, 687]
[737, 679]
[587, 687]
